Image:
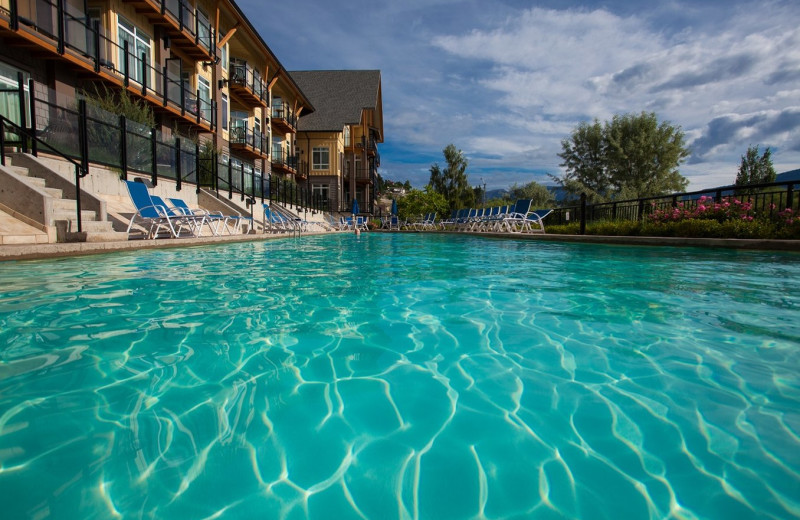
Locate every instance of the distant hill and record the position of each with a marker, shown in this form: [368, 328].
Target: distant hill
[791, 175]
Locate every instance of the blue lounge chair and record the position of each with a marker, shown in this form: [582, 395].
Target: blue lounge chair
[516, 220]
[194, 222]
[151, 215]
[214, 219]
[535, 218]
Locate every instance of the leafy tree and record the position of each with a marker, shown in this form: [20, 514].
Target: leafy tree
[418, 202]
[407, 185]
[584, 158]
[632, 156]
[540, 196]
[451, 182]
[755, 169]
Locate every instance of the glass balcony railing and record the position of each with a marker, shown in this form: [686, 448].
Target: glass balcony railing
[241, 135]
[244, 76]
[282, 112]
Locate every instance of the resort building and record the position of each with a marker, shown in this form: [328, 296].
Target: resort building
[215, 88]
[339, 139]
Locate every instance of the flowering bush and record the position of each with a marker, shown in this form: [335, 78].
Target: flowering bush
[706, 208]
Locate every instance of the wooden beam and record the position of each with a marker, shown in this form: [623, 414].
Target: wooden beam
[227, 37]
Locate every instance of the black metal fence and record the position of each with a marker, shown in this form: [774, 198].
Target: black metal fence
[763, 199]
[88, 134]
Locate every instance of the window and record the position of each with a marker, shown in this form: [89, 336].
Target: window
[346, 136]
[319, 194]
[277, 150]
[205, 97]
[138, 45]
[320, 158]
[10, 105]
[358, 166]
[224, 111]
[203, 29]
[223, 55]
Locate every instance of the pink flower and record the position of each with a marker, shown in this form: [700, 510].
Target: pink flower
[701, 208]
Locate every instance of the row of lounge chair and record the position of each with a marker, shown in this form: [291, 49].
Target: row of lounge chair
[514, 218]
[155, 215]
[278, 221]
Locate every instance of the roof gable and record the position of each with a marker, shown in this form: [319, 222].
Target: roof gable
[338, 97]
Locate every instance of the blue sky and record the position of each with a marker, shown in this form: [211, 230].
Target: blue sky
[506, 81]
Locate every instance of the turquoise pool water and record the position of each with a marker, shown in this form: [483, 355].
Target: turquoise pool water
[401, 376]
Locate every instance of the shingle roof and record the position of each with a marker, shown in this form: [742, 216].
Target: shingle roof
[338, 97]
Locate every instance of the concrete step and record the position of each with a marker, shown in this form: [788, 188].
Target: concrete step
[19, 170]
[54, 192]
[28, 239]
[70, 214]
[91, 231]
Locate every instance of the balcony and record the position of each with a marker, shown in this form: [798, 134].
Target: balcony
[282, 162]
[63, 32]
[252, 144]
[188, 31]
[248, 86]
[284, 120]
[363, 176]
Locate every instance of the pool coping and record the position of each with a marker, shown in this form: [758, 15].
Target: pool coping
[41, 251]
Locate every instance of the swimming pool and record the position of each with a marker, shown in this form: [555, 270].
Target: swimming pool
[401, 376]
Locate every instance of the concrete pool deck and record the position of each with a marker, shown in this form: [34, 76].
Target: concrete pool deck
[40, 251]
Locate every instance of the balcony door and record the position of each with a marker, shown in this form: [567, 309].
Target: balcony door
[138, 46]
[11, 105]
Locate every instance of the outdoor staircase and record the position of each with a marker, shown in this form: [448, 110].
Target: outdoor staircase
[59, 223]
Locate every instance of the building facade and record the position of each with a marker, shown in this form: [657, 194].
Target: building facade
[199, 64]
[339, 140]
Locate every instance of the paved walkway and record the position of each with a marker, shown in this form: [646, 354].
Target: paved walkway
[31, 251]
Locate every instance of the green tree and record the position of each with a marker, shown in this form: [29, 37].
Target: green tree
[755, 169]
[540, 196]
[416, 203]
[584, 156]
[451, 182]
[631, 156]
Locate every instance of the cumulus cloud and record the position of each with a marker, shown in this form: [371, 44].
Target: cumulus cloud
[718, 82]
[507, 83]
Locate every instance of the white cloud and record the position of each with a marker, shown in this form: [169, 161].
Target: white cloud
[571, 65]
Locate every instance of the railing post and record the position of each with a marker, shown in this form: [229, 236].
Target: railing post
[96, 44]
[32, 106]
[154, 156]
[789, 195]
[125, 64]
[22, 116]
[78, 199]
[197, 166]
[230, 180]
[83, 137]
[197, 107]
[144, 74]
[241, 174]
[60, 26]
[183, 96]
[583, 214]
[123, 146]
[165, 85]
[14, 15]
[178, 168]
[2, 141]
[641, 210]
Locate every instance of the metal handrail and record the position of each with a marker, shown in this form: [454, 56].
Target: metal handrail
[26, 133]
